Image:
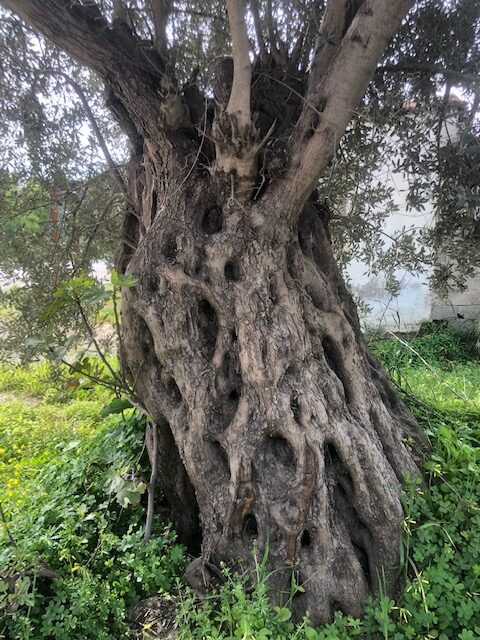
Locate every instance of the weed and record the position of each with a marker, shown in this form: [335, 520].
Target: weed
[66, 520]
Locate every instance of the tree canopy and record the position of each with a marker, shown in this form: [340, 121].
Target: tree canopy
[56, 130]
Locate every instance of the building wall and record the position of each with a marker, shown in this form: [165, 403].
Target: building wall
[462, 307]
[413, 305]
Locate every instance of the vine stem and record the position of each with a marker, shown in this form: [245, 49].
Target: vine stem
[152, 427]
[6, 525]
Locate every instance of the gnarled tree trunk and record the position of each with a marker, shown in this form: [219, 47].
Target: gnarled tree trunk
[245, 347]
[275, 423]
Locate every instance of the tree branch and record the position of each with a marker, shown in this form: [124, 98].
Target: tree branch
[271, 29]
[335, 96]
[96, 129]
[239, 102]
[153, 455]
[336, 20]
[258, 24]
[432, 69]
[77, 28]
[160, 10]
[136, 78]
[475, 105]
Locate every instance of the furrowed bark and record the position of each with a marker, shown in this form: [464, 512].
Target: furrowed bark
[276, 426]
[249, 353]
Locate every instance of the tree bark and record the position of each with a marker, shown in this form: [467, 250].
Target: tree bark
[276, 426]
[245, 347]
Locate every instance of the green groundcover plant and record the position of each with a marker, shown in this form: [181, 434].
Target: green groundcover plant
[440, 559]
[77, 520]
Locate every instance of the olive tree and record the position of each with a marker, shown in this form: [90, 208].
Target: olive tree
[276, 425]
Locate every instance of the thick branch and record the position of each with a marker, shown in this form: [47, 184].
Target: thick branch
[239, 102]
[79, 29]
[143, 93]
[333, 101]
[336, 20]
[160, 10]
[431, 69]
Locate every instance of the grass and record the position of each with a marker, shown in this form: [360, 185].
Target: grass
[440, 367]
[70, 497]
[72, 494]
[457, 389]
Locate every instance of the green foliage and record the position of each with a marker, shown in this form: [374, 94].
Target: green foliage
[440, 366]
[440, 558]
[76, 517]
[439, 346]
[25, 428]
[87, 297]
[37, 379]
[117, 405]
[53, 383]
[82, 517]
[457, 389]
[41, 265]
[241, 610]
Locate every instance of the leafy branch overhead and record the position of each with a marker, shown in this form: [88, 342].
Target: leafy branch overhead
[146, 87]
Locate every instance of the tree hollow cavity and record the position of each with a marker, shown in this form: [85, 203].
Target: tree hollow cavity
[173, 391]
[334, 360]
[170, 247]
[341, 492]
[207, 324]
[212, 221]
[305, 540]
[277, 463]
[219, 460]
[250, 527]
[232, 271]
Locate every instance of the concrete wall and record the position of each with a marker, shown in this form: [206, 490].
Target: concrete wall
[413, 305]
[462, 307]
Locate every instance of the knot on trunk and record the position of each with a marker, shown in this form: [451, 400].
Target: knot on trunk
[236, 148]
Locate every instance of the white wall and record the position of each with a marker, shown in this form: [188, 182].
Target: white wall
[413, 305]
